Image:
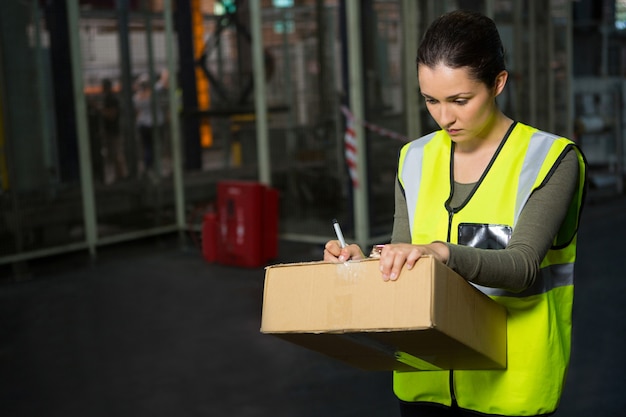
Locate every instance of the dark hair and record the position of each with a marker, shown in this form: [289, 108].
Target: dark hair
[464, 39]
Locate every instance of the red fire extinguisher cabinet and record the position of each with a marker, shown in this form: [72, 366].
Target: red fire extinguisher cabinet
[247, 223]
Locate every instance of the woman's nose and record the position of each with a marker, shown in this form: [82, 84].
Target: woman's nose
[446, 115]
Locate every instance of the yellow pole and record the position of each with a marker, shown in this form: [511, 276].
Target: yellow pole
[202, 84]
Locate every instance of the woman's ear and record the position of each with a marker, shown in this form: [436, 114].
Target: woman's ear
[500, 82]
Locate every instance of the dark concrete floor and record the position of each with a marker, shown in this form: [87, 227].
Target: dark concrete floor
[150, 329]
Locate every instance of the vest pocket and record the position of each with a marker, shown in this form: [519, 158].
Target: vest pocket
[484, 236]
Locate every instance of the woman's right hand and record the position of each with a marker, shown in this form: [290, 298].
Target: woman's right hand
[333, 252]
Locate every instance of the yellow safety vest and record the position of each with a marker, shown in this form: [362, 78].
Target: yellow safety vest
[539, 319]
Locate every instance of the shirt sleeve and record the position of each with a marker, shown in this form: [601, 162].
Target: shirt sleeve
[401, 230]
[515, 267]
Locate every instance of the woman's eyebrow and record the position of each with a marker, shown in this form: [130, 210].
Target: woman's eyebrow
[451, 97]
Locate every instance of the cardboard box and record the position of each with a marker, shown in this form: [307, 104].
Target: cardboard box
[429, 319]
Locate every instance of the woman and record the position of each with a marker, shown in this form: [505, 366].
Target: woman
[486, 182]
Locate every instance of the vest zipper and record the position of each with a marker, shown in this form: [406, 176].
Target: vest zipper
[452, 394]
[450, 215]
[451, 377]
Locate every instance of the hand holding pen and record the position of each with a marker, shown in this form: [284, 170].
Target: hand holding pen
[338, 250]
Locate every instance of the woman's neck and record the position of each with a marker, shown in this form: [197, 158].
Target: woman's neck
[490, 138]
[471, 159]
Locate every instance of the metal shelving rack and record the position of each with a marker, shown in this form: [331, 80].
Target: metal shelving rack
[600, 117]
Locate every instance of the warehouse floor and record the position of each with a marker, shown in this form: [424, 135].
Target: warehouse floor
[150, 329]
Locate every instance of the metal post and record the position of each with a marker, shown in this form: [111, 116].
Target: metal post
[532, 63]
[82, 130]
[260, 104]
[157, 133]
[126, 95]
[549, 59]
[489, 8]
[569, 53]
[46, 122]
[325, 89]
[177, 160]
[355, 82]
[519, 68]
[290, 137]
[410, 37]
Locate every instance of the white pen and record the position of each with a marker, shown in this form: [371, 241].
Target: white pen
[342, 241]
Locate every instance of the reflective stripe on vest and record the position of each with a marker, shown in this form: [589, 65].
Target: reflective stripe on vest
[548, 279]
[539, 322]
[415, 153]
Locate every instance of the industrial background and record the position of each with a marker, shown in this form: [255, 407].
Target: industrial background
[66, 185]
[244, 92]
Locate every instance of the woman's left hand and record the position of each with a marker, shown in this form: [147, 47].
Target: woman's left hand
[394, 256]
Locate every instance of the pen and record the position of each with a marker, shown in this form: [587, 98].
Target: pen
[342, 241]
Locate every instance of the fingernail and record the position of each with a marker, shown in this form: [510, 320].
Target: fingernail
[393, 276]
[342, 258]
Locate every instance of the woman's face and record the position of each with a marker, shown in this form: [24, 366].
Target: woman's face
[461, 105]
